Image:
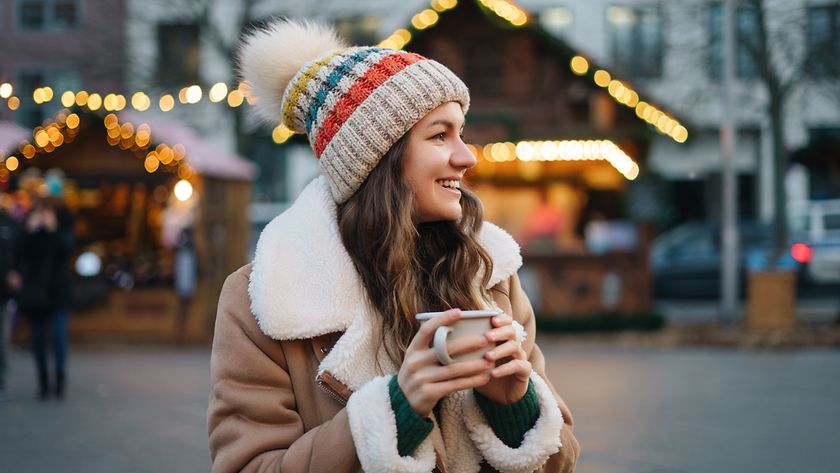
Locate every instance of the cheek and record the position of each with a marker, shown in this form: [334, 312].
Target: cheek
[419, 172]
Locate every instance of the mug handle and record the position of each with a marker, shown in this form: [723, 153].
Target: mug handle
[439, 344]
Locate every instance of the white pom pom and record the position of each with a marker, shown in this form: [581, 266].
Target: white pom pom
[271, 56]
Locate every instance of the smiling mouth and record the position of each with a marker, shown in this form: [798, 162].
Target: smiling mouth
[450, 184]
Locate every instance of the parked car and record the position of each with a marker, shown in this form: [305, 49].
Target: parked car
[818, 225]
[685, 261]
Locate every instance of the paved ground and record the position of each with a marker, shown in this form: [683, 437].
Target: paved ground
[133, 410]
[817, 309]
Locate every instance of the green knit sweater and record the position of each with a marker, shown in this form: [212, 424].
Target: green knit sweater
[509, 422]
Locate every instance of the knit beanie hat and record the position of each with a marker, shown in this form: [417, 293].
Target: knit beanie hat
[353, 103]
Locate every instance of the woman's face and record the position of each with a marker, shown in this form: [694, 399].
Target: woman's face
[435, 161]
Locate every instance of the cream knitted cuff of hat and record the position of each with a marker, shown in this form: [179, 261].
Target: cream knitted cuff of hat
[353, 103]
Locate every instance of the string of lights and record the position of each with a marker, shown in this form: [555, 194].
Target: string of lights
[64, 128]
[565, 150]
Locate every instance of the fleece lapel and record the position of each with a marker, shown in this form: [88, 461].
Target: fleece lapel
[303, 283]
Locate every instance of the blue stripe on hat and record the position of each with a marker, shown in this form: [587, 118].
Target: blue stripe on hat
[331, 82]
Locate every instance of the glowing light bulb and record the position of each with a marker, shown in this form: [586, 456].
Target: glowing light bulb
[183, 190]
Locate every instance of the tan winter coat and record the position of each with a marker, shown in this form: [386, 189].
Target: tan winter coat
[295, 384]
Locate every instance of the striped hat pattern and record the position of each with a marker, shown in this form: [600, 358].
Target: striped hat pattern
[355, 103]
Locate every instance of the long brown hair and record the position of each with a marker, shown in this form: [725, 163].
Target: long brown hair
[408, 267]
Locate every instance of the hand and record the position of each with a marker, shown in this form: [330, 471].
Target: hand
[509, 378]
[424, 381]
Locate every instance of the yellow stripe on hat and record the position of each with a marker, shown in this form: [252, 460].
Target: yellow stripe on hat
[299, 87]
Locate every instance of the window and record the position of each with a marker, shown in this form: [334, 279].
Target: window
[31, 115]
[556, 20]
[823, 35]
[746, 46]
[37, 15]
[361, 29]
[636, 40]
[178, 54]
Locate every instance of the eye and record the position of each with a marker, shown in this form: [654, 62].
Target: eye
[440, 136]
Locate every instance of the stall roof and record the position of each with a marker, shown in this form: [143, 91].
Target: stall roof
[510, 17]
[202, 157]
[11, 134]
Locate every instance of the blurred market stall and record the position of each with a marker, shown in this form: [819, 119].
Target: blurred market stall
[142, 189]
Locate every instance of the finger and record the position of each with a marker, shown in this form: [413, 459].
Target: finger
[461, 369]
[427, 330]
[445, 388]
[501, 320]
[511, 349]
[506, 332]
[519, 368]
[458, 346]
[466, 344]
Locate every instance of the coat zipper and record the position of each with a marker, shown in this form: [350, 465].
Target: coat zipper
[330, 391]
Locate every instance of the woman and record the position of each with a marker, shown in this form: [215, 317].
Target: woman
[318, 363]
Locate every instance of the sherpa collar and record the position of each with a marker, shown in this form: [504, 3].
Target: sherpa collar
[303, 283]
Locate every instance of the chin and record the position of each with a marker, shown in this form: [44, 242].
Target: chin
[443, 215]
[450, 214]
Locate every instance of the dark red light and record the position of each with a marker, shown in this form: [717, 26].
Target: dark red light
[801, 252]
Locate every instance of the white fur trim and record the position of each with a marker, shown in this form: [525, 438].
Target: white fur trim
[503, 250]
[374, 429]
[352, 360]
[542, 441]
[303, 283]
[271, 56]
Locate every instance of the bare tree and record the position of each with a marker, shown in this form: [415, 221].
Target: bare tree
[783, 60]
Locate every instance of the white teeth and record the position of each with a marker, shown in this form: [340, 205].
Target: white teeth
[450, 184]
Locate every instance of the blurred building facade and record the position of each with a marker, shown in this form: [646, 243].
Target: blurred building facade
[674, 51]
[64, 44]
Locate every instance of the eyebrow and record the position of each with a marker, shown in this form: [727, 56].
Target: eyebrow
[444, 122]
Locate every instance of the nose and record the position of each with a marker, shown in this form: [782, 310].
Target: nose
[462, 157]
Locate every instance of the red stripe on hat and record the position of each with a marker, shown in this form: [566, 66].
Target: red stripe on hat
[358, 92]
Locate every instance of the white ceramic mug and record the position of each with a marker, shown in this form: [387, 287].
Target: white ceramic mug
[472, 322]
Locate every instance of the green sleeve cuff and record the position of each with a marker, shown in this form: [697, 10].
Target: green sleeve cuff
[411, 428]
[510, 422]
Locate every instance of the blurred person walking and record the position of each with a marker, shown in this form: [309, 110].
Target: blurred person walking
[45, 294]
[9, 282]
